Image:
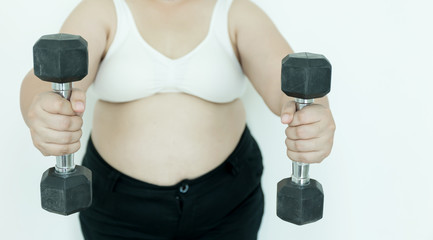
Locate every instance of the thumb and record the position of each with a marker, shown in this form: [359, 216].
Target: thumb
[78, 101]
[287, 112]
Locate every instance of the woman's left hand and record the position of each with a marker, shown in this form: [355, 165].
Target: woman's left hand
[310, 132]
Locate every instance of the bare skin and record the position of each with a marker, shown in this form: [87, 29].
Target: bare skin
[165, 138]
[168, 142]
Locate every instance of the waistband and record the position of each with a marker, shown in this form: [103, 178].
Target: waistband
[232, 164]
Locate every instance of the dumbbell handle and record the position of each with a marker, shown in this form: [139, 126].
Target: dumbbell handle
[300, 170]
[64, 164]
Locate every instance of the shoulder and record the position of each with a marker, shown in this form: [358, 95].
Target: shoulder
[102, 10]
[245, 14]
[102, 4]
[243, 11]
[95, 13]
[244, 4]
[92, 17]
[95, 21]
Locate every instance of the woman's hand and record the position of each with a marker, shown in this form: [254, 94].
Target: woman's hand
[310, 132]
[55, 123]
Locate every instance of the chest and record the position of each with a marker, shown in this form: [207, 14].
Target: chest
[135, 67]
[172, 28]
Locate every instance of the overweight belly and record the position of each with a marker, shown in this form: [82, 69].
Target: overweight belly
[168, 137]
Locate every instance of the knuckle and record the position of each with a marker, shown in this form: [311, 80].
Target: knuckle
[67, 138]
[65, 123]
[289, 154]
[321, 157]
[326, 154]
[333, 127]
[298, 145]
[76, 123]
[80, 122]
[58, 105]
[71, 138]
[47, 152]
[294, 156]
[31, 114]
[330, 144]
[33, 133]
[44, 153]
[298, 157]
[287, 141]
[80, 134]
[38, 146]
[64, 150]
[41, 149]
[302, 116]
[302, 158]
[36, 143]
[300, 132]
[75, 147]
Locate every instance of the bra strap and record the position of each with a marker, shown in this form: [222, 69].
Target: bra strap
[221, 27]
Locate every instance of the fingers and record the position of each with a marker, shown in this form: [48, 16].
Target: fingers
[54, 149]
[308, 151]
[307, 157]
[78, 101]
[55, 123]
[308, 115]
[57, 137]
[56, 143]
[287, 112]
[311, 145]
[310, 134]
[304, 131]
[54, 103]
[62, 122]
[311, 122]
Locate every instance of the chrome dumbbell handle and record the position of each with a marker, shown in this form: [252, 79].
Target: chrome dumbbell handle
[64, 164]
[300, 170]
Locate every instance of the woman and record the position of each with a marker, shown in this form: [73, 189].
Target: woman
[170, 153]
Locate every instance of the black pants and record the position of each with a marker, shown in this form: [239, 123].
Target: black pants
[225, 203]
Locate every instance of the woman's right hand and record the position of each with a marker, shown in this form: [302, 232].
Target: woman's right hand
[55, 123]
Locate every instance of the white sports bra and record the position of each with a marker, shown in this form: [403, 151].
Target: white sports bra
[132, 69]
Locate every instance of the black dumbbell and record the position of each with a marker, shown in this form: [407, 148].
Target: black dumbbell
[62, 59]
[304, 76]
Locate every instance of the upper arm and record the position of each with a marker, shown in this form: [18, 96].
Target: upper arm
[93, 20]
[261, 49]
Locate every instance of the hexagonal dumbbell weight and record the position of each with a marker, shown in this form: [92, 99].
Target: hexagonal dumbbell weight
[304, 76]
[62, 59]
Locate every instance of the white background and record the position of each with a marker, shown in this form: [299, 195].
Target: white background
[378, 180]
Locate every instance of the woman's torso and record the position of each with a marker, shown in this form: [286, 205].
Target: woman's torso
[167, 137]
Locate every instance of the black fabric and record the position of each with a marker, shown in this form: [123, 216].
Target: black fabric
[225, 203]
